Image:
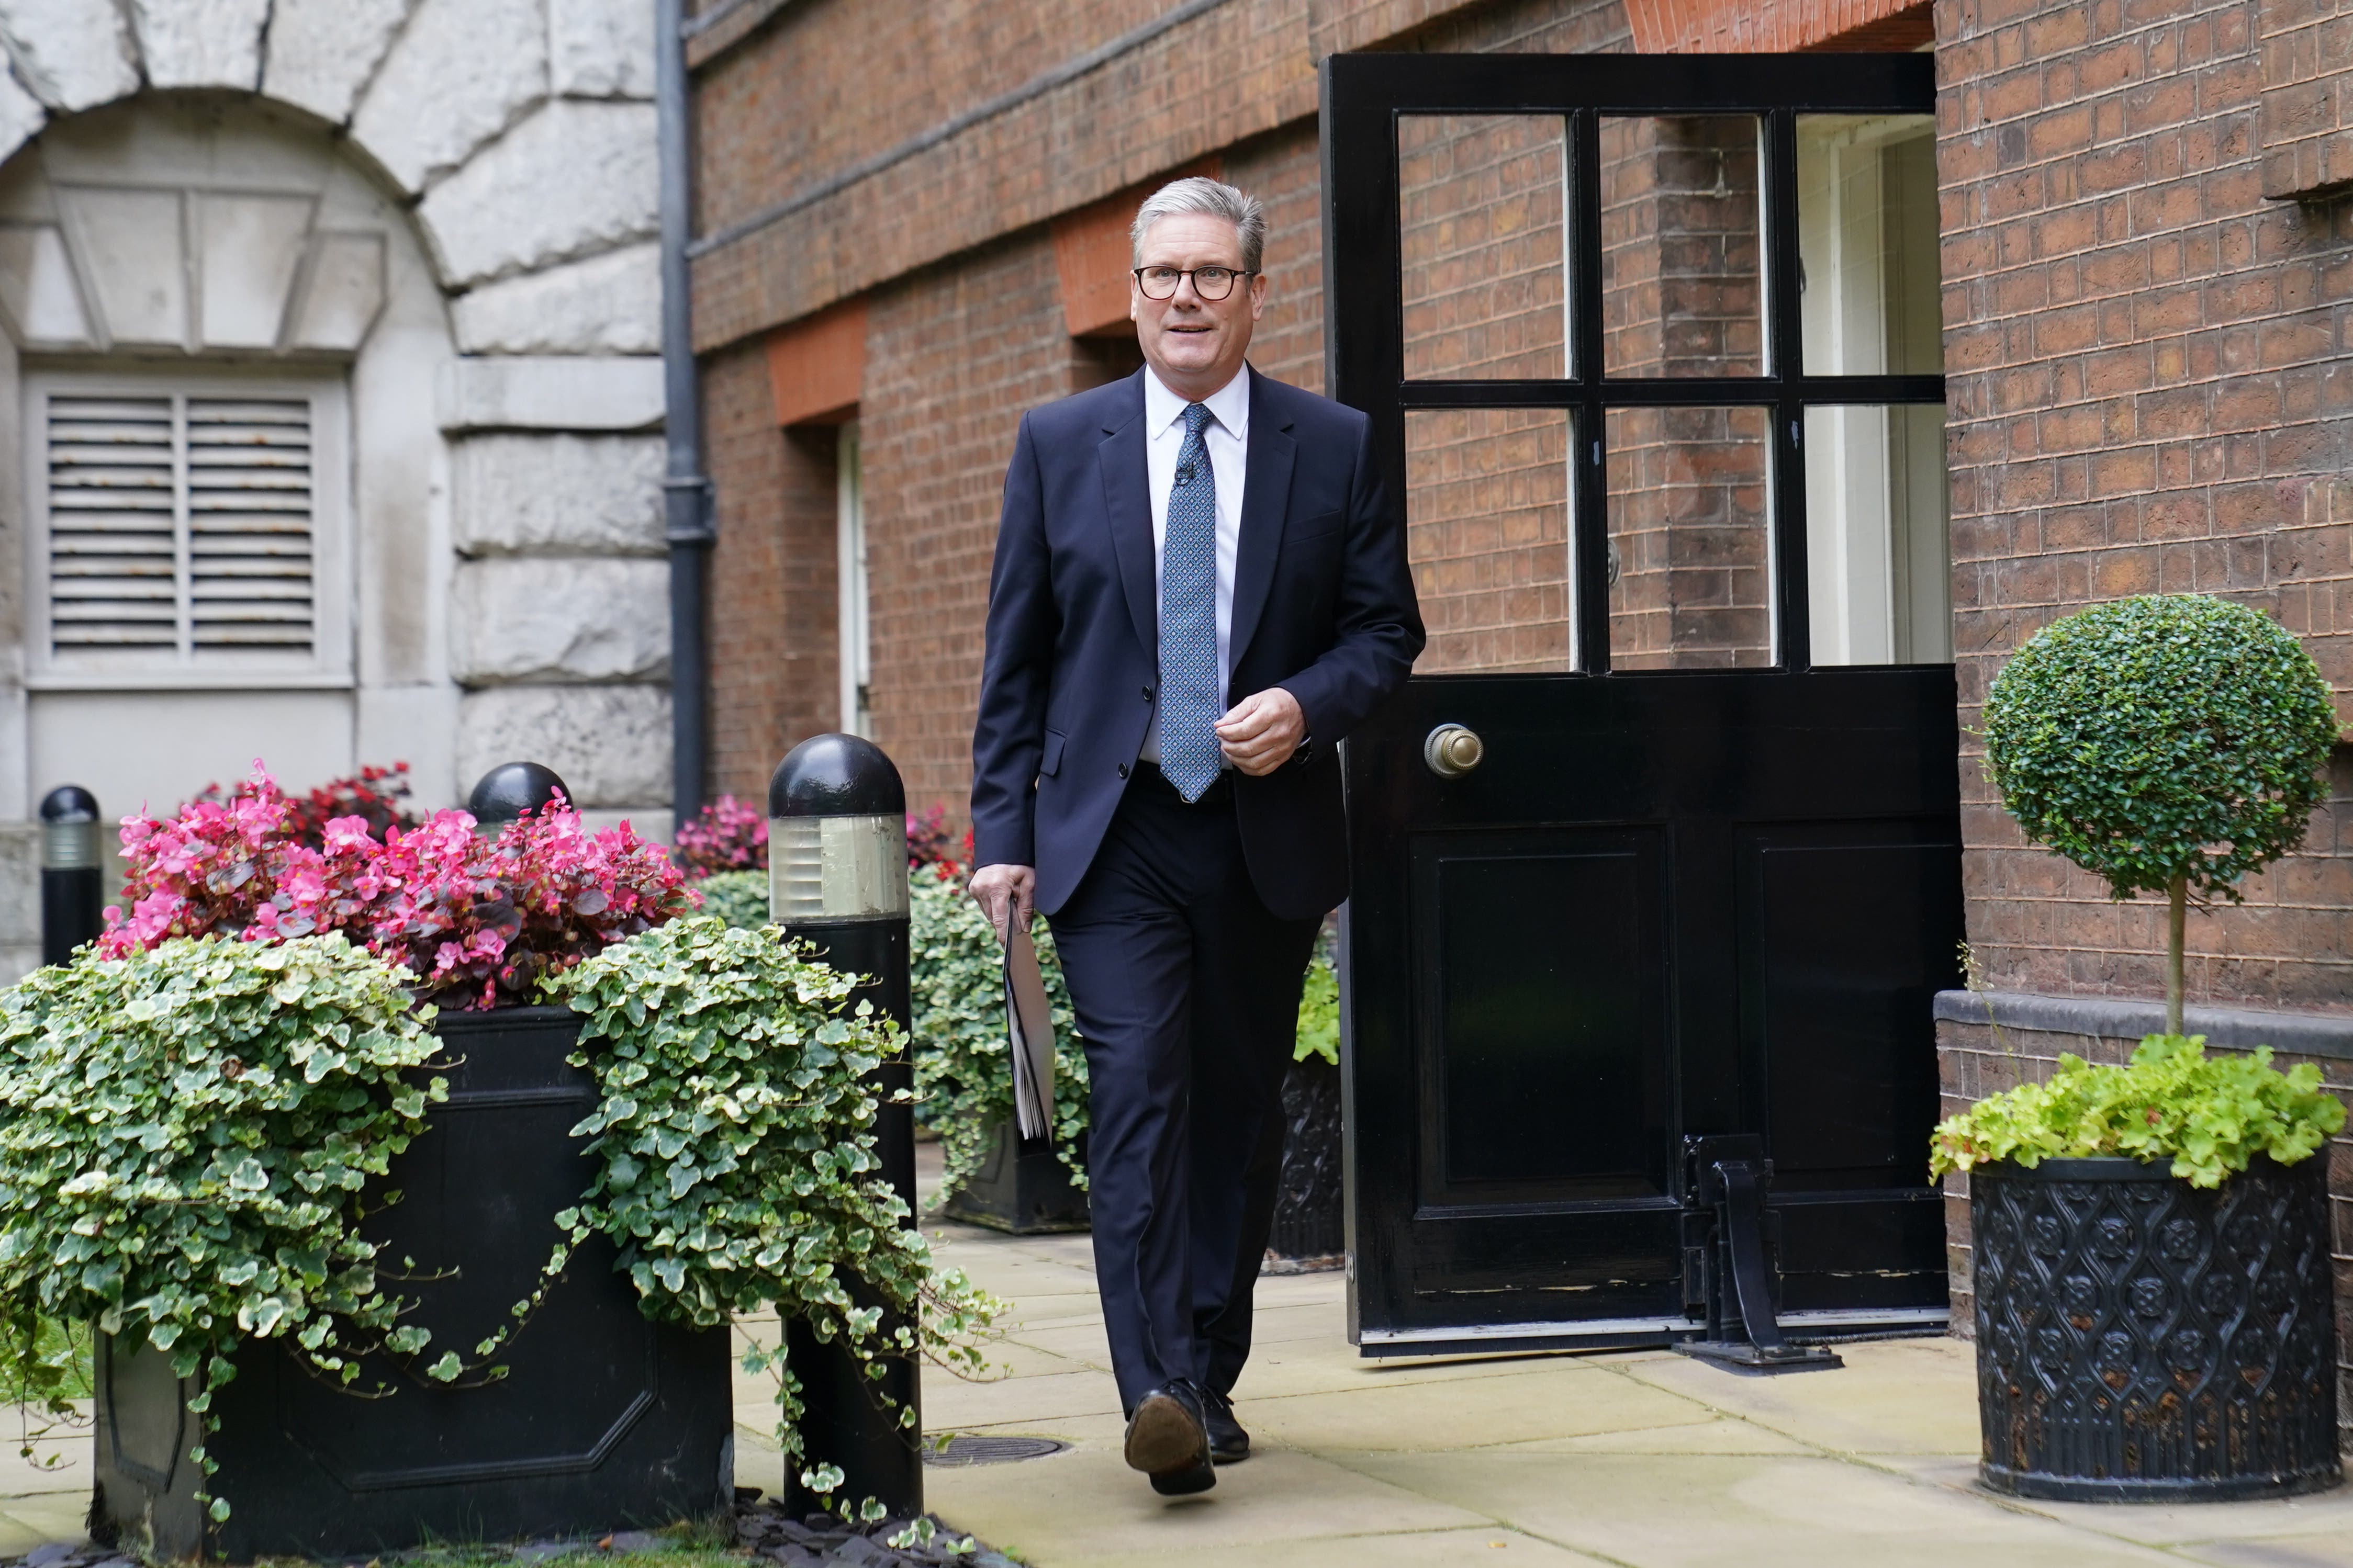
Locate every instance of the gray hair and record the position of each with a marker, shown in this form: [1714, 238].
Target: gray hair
[1212, 198]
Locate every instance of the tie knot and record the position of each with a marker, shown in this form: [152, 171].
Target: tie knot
[1197, 417]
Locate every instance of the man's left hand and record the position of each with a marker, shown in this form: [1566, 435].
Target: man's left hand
[1262, 731]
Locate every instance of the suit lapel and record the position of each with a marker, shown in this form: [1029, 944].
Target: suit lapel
[1266, 498]
[1127, 497]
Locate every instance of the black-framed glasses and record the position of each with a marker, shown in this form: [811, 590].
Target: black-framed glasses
[1208, 282]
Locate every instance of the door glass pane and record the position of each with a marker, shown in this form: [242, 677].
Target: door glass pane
[1691, 573]
[1868, 278]
[1483, 245]
[1681, 293]
[1878, 567]
[1487, 531]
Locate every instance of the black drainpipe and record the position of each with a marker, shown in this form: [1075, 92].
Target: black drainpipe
[686, 492]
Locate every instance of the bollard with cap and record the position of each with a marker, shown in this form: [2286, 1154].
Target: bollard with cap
[509, 790]
[838, 881]
[73, 876]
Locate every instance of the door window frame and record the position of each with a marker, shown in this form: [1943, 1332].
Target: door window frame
[1365, 350]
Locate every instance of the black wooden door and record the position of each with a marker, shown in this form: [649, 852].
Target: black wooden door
[1651, 345]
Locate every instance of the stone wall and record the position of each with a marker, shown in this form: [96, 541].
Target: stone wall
[1990, 1042]
[515, 605]
[2146, 393]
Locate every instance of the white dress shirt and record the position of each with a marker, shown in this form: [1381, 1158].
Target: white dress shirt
[1227, 436]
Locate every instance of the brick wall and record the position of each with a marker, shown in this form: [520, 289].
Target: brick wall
[1682, 295]
[773, 648]
[1975, 1060]
[2146, 393]
[955, 356]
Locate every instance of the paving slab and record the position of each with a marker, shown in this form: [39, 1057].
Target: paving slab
[1488, 1547]
[1893, 1397]
[1086, 1505]
[1746, 1511]
[1564, 1399]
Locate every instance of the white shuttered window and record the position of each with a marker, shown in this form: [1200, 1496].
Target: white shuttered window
[186, 530]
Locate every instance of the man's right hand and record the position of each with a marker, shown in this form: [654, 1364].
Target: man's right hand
[1003, 890]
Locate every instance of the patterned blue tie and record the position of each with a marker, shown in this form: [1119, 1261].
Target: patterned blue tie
[1189, 697]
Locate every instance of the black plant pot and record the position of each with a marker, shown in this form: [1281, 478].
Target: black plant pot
[2140, 1340]
[605, 1421]
[1309, 1229]
[1022, 1187]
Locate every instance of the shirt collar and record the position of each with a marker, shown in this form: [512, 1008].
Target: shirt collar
[1230, 404]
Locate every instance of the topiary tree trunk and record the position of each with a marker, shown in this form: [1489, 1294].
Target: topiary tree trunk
[2177, 920]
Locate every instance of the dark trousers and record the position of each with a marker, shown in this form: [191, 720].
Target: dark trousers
[1186, 991]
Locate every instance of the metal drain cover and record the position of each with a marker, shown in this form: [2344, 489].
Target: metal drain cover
[962, 1449]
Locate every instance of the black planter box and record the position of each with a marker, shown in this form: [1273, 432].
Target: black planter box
[607, 1420]
[1310, 1227]
[2142, 1340]
[1022, 1187]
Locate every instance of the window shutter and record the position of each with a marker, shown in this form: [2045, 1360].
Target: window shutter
[250, 558]
[114, 531]
[183, 530]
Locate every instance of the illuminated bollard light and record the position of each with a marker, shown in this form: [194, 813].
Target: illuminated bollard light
[838, 881]
[73, 892]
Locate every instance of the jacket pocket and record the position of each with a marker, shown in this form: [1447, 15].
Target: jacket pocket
[1319, 525]
[1050, 761]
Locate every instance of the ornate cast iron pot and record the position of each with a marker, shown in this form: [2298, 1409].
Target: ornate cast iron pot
[607, 1420]
[1309, 1228]
[2140, 1340]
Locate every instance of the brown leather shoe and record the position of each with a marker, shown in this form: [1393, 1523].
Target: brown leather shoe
[1168, 1440]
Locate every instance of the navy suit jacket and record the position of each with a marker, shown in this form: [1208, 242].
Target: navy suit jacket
[1323, 606]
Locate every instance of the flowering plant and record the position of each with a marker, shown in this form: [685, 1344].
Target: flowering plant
[725, 835]
[474, 923]
[378, 795]
[927, 840]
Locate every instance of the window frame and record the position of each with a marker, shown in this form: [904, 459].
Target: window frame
[1364, 363]
[330, 665]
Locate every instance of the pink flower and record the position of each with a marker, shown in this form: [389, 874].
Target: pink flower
[478, 922]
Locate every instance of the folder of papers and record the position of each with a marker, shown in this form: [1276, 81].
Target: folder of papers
[1029, 1026]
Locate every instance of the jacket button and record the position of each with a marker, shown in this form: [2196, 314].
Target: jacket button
[1147, 694]
[1123, 770]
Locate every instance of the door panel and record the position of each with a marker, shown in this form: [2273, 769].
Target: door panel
[1539, 960]
[1845, 965]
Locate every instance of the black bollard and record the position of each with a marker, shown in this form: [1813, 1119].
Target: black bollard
[509, 790]
[73, 878]
[838, 879]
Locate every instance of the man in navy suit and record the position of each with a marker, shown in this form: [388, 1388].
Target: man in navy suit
[1201, 588]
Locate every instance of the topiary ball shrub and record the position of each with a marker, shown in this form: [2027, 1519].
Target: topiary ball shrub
[2168, 743]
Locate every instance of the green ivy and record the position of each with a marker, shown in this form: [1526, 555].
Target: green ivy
[964, 1068]
[739, 897]
[735, 1148]
[1319, 1007]
[2210, 1115]
[185, 1135]
[2162, 738]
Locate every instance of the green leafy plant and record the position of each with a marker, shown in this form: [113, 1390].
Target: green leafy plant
[2168, 743]
[735, 1149]
[963, 1072]
[739, 897]
[187, 1137]
[2210, 1115]
[1319, 1007]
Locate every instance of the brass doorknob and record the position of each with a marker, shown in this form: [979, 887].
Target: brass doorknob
[1452, 751]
